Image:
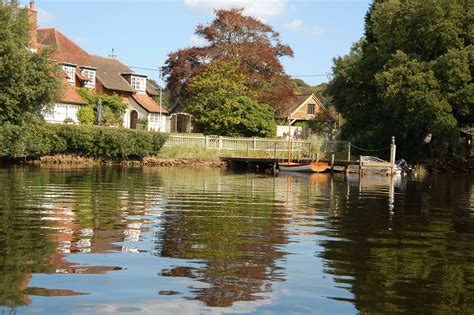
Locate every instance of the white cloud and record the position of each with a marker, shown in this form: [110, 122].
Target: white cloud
[195, 40]
[262, 9]
[298, 26]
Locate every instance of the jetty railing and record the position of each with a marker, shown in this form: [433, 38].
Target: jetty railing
[269, 145]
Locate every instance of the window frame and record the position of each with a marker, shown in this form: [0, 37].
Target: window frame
[138, 83]
[70, 73]
[91, 75]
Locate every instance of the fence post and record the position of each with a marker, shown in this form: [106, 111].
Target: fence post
[248, 148]
[275, 151]
[206, 142]
[254, 143]
[220, 143]
[349, 152]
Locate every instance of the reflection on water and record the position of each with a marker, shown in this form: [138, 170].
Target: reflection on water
[151, 240]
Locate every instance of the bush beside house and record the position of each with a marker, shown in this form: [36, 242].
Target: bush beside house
[92, 141]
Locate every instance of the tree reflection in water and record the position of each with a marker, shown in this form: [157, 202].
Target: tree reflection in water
[417, 257]
[229, 228]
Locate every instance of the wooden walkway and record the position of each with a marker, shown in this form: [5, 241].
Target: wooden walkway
[269, 163]
[252, 162]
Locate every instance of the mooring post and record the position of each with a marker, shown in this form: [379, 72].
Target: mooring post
[332, 162]
[275, 152]
[393, 153]
[349, 152]
[310, 152]
[360, 165]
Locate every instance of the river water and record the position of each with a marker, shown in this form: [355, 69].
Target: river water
[181, 241]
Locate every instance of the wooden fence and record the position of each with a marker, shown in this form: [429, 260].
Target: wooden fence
[270, 147]
[234, 144]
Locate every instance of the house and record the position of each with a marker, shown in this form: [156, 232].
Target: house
[305, 107]
[105, 75]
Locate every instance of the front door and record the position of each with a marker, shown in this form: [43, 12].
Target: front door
[133, 119]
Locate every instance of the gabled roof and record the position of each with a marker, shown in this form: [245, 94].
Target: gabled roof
[109, 73]
[148, 103]
[298, 101]
[302, 99]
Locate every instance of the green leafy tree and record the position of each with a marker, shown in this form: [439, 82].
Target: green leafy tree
[410, 76]
[223, 104]
[113, 108]
[29, 81]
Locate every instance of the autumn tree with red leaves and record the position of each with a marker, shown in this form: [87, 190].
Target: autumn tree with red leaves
[233, 36]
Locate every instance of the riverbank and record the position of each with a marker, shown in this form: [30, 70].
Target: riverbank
[78, 160]
[449, 165]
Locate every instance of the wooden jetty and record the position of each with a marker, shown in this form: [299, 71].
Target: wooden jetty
[252, 163]
[255, 163]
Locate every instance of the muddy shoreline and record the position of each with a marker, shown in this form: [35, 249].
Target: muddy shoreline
[77, 160]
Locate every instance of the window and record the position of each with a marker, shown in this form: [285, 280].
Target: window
[155, 119]
[91, 75]
[70, 73]
[60, 112]
[138, 83]
[311, 109]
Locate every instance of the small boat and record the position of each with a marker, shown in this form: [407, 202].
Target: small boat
[311, 167]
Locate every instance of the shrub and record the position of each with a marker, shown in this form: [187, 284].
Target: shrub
[43, 139]
[86, 115]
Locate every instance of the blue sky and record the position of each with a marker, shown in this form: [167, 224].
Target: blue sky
[144, 32]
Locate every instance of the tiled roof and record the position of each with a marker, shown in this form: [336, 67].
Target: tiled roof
[109, 73]
[148, 103]
[80, 76]
[66, 50]
[71, 96]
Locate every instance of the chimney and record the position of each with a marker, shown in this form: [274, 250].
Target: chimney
[33, 24]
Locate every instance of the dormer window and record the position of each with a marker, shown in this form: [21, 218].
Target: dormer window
[91, 74]
[138, 83]
[70, 71]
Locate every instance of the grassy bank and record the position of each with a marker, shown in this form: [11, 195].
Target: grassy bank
[37, 140]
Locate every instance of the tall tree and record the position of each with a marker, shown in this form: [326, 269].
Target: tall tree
[28, 80]
[410, 76]
[222, 103]
[233, 36]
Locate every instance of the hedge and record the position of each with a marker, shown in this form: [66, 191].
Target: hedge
[105, 142]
